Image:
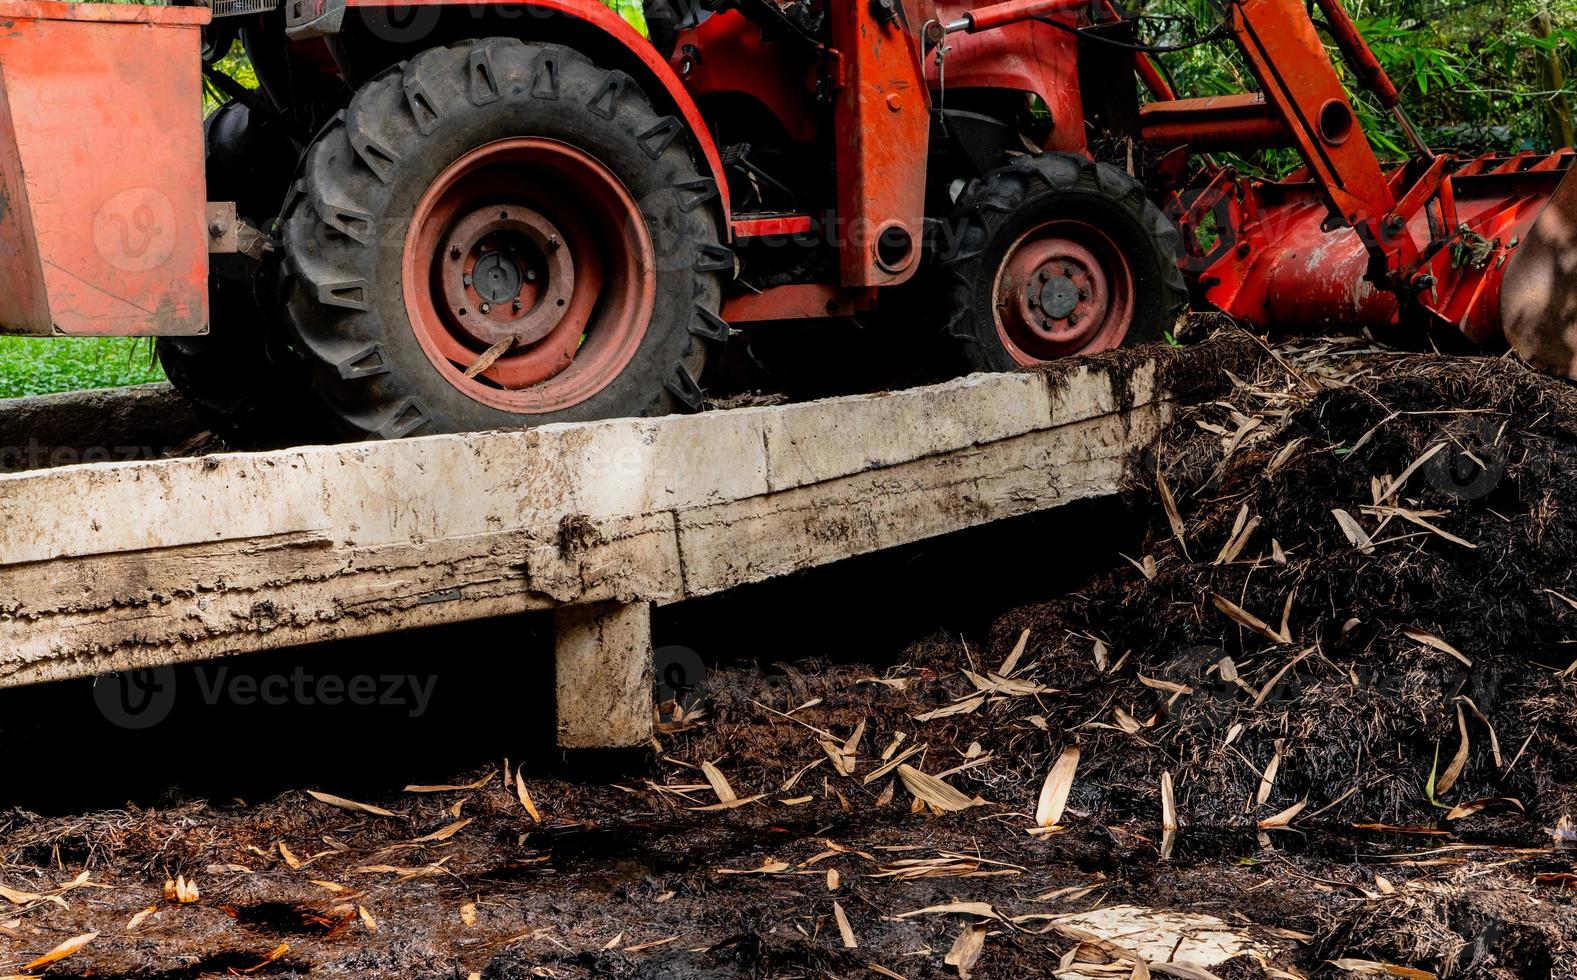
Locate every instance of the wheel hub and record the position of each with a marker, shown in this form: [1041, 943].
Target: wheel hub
[506, 275]
[1059, 297]
[529, 275]
[1063, 288]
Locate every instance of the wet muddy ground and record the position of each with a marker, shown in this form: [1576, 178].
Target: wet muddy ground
[1211, 730]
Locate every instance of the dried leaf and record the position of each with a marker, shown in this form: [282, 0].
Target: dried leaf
[1054, 792]
[367, 919]
[351, 805]
[1356, 535]
[714, 776]
[1453, 771]
[468, 913]
[964, 707]
[1436, 643]
[1169, 504]
[1011, 663]
[451, 789]
[1494, 740]
[1247, 619]
[524, 796]
[1464, 810]
[141, 917]
[933, 791]
[967, 949]
[290, 856]
[62, 951]
[1385, 969]
[445, 833]
[1283, 818]
[1267, 779]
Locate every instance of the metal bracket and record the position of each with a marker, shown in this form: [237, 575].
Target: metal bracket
[230, 234]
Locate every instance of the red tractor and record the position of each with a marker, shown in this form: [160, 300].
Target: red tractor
[445, 216]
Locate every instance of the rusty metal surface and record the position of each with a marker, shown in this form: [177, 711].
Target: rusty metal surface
[103, 230]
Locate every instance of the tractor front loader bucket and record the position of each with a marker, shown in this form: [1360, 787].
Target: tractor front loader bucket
[103, 229]
[1538, 296]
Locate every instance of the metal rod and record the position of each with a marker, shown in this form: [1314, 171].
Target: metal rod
[1406, 123]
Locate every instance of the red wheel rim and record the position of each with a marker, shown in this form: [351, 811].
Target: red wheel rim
[1064, 288]
[528, 266]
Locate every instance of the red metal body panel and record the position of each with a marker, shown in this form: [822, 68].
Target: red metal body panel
[600, 16]
[882, 126]
[777, 224]
[797, 302]
[736, 61]
[1027, 56]
[102, 203]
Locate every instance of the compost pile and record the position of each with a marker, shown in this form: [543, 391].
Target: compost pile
[1322, 724]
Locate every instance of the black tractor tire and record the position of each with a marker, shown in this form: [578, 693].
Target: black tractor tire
[997, 209]
[239, 377]
[347, 222]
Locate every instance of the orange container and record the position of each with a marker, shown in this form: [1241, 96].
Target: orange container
[102, 199]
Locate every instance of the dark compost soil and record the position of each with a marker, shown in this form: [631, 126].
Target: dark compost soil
[1367, 721]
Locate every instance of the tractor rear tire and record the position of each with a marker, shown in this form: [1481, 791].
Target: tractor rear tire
[241, 381]
[499, 233]
[1055, 255]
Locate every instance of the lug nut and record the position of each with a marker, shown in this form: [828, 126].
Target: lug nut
[518, 305]
[531, 275]
[468, 279]
[554, 242]
[487, 308]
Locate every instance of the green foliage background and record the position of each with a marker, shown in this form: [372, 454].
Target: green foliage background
[1475, 75]
[1472, 72]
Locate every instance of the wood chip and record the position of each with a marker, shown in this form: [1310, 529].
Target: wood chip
[849, 942]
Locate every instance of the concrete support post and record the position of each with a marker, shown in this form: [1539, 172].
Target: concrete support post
[604, 675]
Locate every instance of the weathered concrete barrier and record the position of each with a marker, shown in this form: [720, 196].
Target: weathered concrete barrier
[116, 566]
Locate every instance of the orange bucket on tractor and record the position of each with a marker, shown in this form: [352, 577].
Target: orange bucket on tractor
[103, 227]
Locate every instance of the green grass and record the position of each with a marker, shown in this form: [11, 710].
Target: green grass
[45, 365]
